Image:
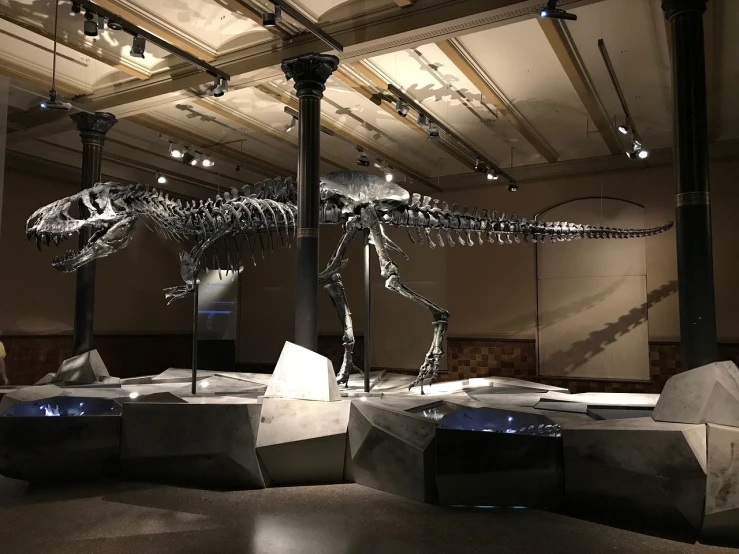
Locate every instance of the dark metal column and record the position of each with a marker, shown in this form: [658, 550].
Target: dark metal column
[692, 204]
[367, 311]
[309, 73]
[92, 127]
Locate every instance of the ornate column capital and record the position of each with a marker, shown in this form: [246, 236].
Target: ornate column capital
[675, 7]
[310, 72]
[94, 125]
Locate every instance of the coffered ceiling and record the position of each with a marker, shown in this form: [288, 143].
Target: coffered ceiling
[529, 94]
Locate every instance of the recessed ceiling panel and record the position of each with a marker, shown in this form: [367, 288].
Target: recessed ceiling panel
[521, 61]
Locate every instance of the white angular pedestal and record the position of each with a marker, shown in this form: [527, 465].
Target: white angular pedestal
[708, 394]
[85, 368]
[302, 430]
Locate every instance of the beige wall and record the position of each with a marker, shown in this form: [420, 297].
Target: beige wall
[35, 298]
[489, 290]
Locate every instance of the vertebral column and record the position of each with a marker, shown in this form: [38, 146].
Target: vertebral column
[692, 205]
[309, 73]
[92, 127]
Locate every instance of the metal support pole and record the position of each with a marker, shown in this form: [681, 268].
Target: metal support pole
[698, 343]
[195, 311]
[92, 127]
[367, 312]
[309, 73]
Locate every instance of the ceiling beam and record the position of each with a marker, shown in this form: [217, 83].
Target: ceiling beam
[354, 139]
[564, 48]
[463, 60]
[154, 24]
[376, 96]
[189, 138]
[364, 35]
[78, 45]
[234, 116]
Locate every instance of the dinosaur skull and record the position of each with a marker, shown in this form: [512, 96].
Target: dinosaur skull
[108, 221]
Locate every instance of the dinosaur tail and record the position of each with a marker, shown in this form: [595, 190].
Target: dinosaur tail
[428, 217]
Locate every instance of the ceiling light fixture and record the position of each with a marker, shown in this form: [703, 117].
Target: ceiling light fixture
[512, 187]
[189, 158]
[220, 87]
[623, 129]
[208, 161]
[114, 25]
[55, 102]
[175, 151]
[362, 159]
[402, 108]
[553, 12]
[161, 179]
[480, 166]
[138, 47]
[434, 133]
[389, 176]
[76, 8]
[290, 126]
[272, 19]
[492, 175]
[90, 27]
[422, 120]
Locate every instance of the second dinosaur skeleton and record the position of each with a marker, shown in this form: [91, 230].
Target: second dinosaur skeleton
[250, 221]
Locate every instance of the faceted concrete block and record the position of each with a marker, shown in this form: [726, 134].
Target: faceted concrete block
[28, 394]
[301, 374]
[392, 450]
[708, 394]
[202, 445]
[639, 469]
[59, 449]
[303, 441]
[84, 368]
[721, 521]
[499, 457]
[11, 489]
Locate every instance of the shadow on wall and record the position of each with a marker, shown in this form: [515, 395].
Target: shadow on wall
[583, 350]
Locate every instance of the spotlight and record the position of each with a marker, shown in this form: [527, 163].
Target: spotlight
[133, 395]
[220, 87]
[492, 175]
[175, 151]
[90, 27]
[623, 129]
[434, 133]
[101, 23]
[114, 26]
[189, 158]
[238, 167]
[401, 107]
[480, 166]
[138, 46]
[290, 126]
[631, 155]
[161, 179]
[379, 164]
[389, 176]
[55, 102]
[422, 120]
[512, 187]
[208, 162]
[643, 154]
[75, 9]
[553, 12]
[362, 159]
[272, 19]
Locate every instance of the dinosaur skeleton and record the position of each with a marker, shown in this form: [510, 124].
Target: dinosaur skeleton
[266, 214]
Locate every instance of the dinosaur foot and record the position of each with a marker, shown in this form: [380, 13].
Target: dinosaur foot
[345, 372]
[429, 373]
[176, 293]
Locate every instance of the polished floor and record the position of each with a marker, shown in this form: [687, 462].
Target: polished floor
[117, 517]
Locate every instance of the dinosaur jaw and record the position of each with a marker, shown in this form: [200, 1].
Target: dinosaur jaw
[103, 242]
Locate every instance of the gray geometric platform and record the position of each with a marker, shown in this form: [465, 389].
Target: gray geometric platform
[638, 468]
[204, 445]
[392, 450]
[721, 520]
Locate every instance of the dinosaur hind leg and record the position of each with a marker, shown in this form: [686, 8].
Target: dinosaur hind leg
[430, 368]
[330, 278]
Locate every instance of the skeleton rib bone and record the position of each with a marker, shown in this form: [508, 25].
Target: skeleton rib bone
[354, 199]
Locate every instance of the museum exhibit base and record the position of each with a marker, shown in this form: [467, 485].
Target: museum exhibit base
[668, 461]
